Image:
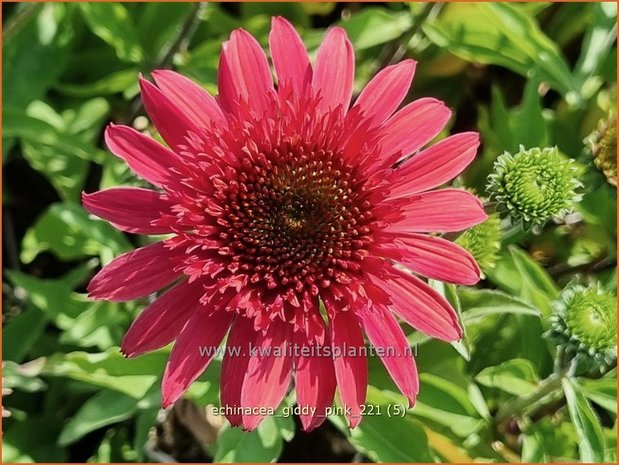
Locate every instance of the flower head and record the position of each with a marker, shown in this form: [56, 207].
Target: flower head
[278, 199]
[532, 186]
[483, 241]
[602, 145]
[585, 323]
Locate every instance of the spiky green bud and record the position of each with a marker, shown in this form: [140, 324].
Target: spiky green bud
[532, 186]
[584, 322]
[602, 145]
[483, 241]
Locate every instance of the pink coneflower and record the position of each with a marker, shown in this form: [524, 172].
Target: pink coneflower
[277, 199]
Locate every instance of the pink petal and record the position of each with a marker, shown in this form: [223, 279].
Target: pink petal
[334, 71]
[193, 351]
[435, 258]
[289, 55]
[435, 166]
[234, 366]
[146, 157]
[189, 97]
[268, 375]
[170, 120]
[412, 127]
[421, 306]
[161, 322]
[351, 372]
[314, 381]
[244, 74]
[130, 209]
[391, 344]
[134, 274]
[385, 92]
[444, 210]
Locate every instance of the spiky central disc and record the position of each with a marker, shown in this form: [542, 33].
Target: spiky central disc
[296, 217]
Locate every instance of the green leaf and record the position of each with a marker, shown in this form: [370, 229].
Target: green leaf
[158, 24]
[104, 408]
[591, 437]
[113, 83]
[602, 391]
[516, 376]
[18, 439]
[264, 444]
[384, 438]
[479, 303]
[533, 447]
[17, 123]
[374, 26]
[67, 231]
[599, 39]
[145, 421]
[112, 23]
[529, 127]
[21, 333]
[133, 377]
[533, 272]
[32, 60]
[504, 35]
[448, 404]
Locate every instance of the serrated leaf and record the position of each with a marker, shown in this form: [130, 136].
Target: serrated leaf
[67, 231]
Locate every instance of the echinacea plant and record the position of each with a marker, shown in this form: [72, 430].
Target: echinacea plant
[277, 199]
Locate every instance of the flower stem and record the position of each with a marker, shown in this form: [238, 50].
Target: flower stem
[518, 406]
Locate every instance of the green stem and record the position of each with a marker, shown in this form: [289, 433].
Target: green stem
[518, 406]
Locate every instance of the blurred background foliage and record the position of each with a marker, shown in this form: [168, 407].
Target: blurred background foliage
[535, 74]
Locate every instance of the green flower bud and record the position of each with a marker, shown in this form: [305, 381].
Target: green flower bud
[585, 323]
[483, 241]
[533, 185]
[602, 144]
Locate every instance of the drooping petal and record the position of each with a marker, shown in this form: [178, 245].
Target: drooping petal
[334, 70]
[289, 56]
[244, 74]
[385, 92]
[146, 157]
[193, 351]
[161, 322]
[393, 348]
[189, 97]
[351, 371]
[170, 120]
[314, 381]
[236, 359]
[412, 127]
[268, 371]
[434, 166]
[421, 306]
[444, 210]
[134, 274]
[434, 258]
[130, 209]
